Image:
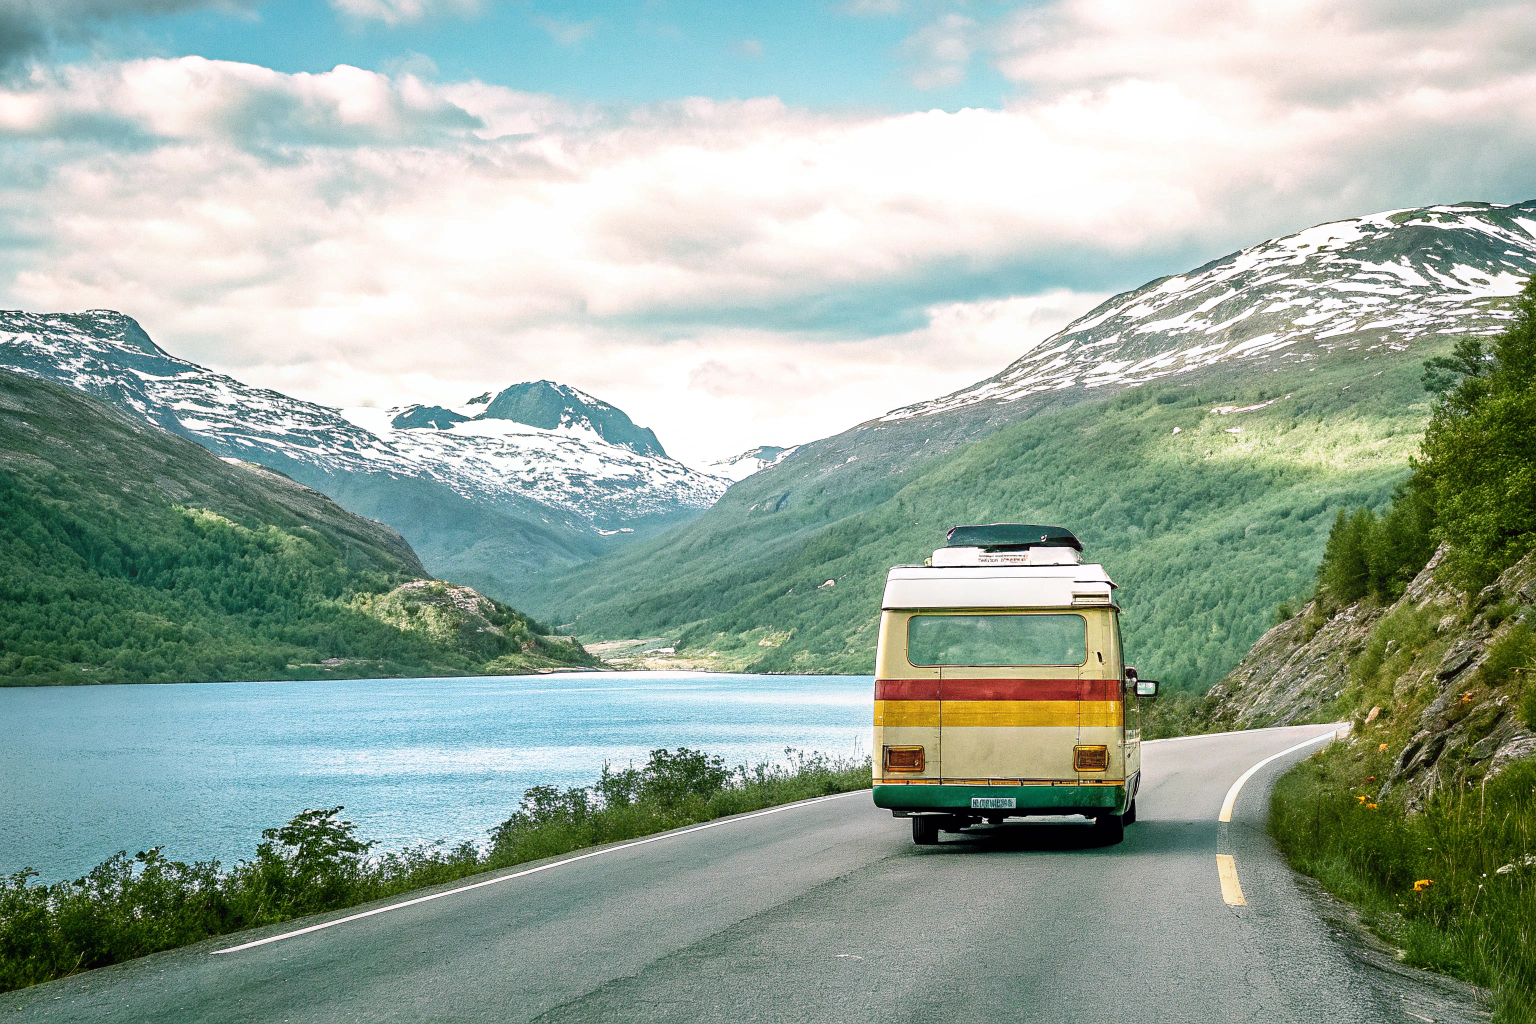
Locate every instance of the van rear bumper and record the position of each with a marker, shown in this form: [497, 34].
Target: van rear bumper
[1042, 799]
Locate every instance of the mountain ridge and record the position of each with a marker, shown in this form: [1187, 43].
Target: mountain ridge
[492, 505]
[1242, 388]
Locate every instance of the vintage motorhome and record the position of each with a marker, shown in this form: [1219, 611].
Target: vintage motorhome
[1001, 689]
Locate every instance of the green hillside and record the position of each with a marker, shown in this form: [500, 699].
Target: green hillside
[1207, 530]
[128, 554]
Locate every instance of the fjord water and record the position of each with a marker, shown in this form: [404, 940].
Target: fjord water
[202, 768]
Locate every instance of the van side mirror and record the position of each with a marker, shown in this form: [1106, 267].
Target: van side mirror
[1146, 687]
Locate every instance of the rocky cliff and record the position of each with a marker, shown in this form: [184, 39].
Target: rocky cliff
[1440, 677]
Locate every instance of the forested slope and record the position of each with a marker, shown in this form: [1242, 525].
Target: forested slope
[1207, 519]
[1198, 432]
[130, 554]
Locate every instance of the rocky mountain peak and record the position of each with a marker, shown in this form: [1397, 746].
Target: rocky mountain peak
[414, 417]
[1384, 280]
[550, 406]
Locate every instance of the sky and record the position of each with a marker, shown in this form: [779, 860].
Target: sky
[742, 224]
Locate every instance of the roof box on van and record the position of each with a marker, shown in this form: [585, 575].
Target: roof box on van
[1011, 537]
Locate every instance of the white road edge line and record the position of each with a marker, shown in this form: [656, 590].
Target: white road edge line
[1230, 802]
[530, 871]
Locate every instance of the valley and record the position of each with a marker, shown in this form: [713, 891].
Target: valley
[1198, 433]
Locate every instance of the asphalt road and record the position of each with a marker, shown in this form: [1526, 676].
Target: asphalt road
[825, 911]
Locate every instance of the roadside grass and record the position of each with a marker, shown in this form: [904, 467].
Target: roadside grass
[131, 906]
[1453, 886]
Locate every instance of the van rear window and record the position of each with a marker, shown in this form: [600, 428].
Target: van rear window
[986, 641]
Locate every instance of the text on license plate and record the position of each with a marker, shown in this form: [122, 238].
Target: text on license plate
[991, 803]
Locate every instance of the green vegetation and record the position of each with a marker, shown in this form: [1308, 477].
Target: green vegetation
[1207, 519]
[1375, 554]
[1453, 882]
[128, 554]
[1474, 482]
[131, 906]
[1479, 457]
[1453, 886]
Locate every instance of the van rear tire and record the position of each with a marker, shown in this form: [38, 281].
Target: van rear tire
[925, 830]
[1109, 829]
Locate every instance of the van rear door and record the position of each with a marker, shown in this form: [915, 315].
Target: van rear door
[1010, 692]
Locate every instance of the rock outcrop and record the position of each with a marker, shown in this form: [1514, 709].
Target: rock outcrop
[1440, 676]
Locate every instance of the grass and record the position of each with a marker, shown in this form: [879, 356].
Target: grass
[131, 906]
[1453, 886]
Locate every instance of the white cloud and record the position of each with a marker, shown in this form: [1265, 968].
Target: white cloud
[731, 273]
[940, 53]
[191, 99]
[564, 31]
[404, 12]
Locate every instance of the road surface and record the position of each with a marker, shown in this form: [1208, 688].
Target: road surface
[825, 911]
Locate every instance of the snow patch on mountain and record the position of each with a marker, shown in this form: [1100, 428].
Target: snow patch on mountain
[1386, 280]
[739, 467]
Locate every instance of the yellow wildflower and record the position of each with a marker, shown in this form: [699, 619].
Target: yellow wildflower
[1381, 748]
[1361, 799]
[1370, 807]
[1422, 884]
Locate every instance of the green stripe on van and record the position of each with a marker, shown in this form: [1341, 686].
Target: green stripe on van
[1027, 799]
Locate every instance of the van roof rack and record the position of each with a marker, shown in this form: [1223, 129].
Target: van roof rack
[1011, 537]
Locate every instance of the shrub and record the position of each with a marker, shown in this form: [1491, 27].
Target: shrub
[132, 906]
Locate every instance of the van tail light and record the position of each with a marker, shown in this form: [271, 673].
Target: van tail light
[904, 759]
[1090, 759]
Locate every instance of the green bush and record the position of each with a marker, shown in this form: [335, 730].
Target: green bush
[129, 907]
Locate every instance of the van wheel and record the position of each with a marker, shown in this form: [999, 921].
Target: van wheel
[925, 830]
[1108, 828]
[1129, 817]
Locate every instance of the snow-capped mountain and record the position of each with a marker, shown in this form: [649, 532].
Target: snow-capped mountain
[738, 467]
[482, 494]
[569, 465]
[1389, 279]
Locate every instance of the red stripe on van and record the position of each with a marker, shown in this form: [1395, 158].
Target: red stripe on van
[906, 689]
[997, 689]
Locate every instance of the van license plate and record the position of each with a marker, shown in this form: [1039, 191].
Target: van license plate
[993, 803]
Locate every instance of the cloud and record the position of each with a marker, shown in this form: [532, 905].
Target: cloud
[732, 273]
[405, 12]
[1324, 54]
[192, 99]
[940, 53]
[564, 31]
[748, 49]
[28, 26]
[872, 8]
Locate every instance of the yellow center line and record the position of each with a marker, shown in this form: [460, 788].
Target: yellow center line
[1231, 890]
[1226, 864]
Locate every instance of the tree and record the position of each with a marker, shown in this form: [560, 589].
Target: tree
[1478, 460]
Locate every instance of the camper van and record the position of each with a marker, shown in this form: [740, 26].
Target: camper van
[1001, 689]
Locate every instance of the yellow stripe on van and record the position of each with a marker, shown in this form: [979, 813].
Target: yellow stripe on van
[1025, 713]
[898, 713]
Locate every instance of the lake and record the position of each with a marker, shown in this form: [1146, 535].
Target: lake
[202, 768]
